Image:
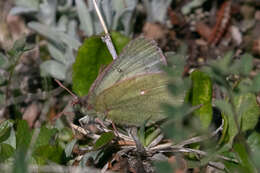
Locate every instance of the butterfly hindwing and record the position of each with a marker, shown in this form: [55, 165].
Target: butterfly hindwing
[135, 100]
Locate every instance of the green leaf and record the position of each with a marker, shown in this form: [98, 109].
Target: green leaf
[6, 151]
[202, 95]
[45, 136]
[224, 106]
[254, 141]
[92, 56]
[246, 162]
[3, 60]
[248, 112]
[256, 84]
[19, 44]
[103, 140]
[46, 153]
[246, 64]
[254, 144]
[23, 135]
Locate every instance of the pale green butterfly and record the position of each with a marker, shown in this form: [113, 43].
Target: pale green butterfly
[130, 90]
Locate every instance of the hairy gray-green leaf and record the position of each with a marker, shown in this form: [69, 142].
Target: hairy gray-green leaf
[186, 9]
[156, 10]
[53, 68]
[47, 12]
[54, 35]
[86, 23]
[31, 4]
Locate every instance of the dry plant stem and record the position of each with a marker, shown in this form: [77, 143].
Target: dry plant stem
[61, 85]
[94, 136]
[106, 38]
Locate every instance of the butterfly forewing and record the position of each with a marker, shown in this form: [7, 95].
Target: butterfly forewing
[139, 57]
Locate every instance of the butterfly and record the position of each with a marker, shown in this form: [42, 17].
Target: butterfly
[131, 89]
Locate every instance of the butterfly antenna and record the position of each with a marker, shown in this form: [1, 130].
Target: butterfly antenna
[71, 93]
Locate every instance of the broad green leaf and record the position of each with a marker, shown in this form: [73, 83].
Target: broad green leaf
[224, 106]
[6, 151]
[69, 147]
[92, 56]
[104, 139]
[254, 141]
[246, 64]
[46, 153]
[45, 136]
[3, 60]
[256, 84]
[248, 112]
[202, 95]
[23, 135]
[246, 162]
[19, 44]
[254, 144]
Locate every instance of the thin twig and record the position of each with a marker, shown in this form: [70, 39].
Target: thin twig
[100, 17]
[107, 39]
